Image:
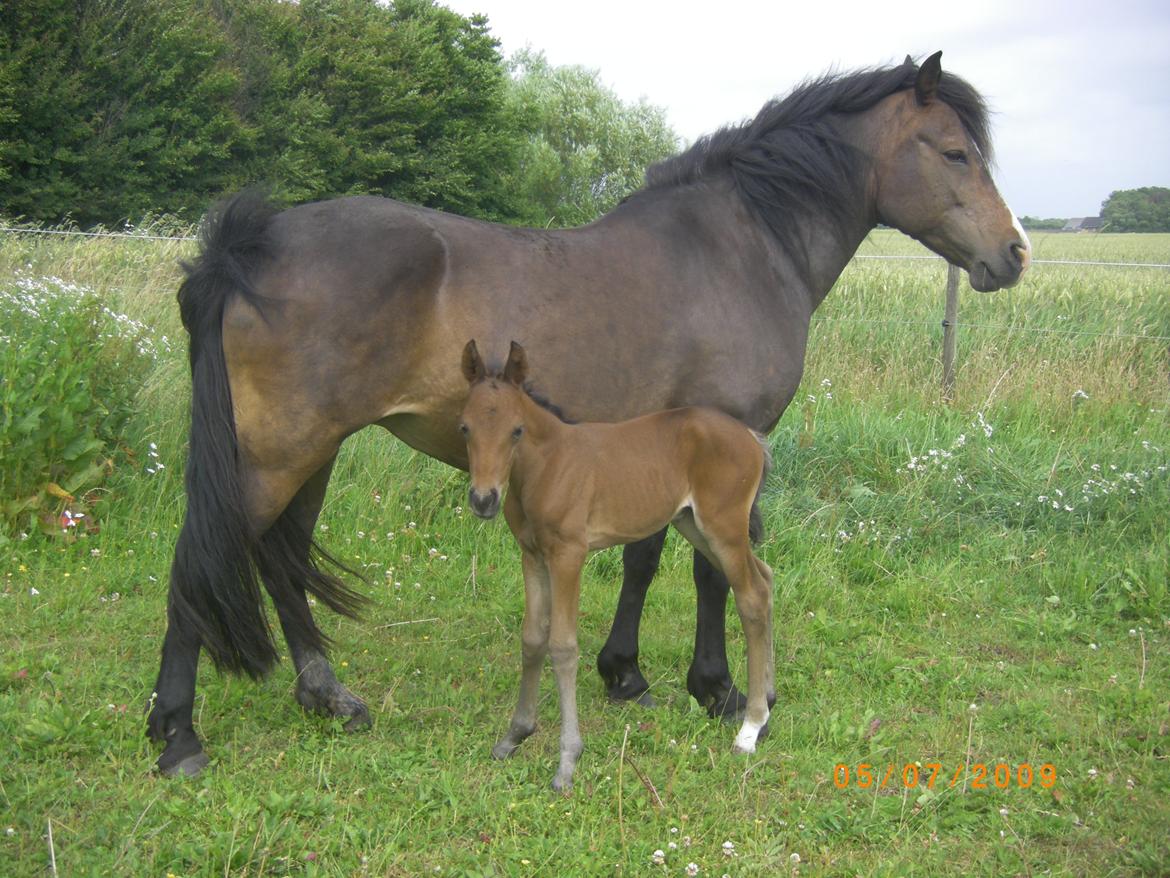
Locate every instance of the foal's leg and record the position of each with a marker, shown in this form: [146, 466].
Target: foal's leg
[753, 601]
[534, 647]
[565, 572]
[317, 688]
[618, 660]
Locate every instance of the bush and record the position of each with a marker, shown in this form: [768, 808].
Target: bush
[69, 371]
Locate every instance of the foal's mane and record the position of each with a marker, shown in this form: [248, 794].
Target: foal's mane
[535, 395]
[789, 158]
[545, 403]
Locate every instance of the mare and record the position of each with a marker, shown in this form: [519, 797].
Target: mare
[573, 488]
[309, 324]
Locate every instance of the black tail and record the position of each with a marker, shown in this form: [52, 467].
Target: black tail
[215, 587]
[755, 519]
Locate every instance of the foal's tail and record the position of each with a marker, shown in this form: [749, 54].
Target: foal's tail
[755, 520]
[215, 591]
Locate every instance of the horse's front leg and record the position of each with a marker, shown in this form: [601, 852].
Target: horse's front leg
[534, 647]
[709, 678]
[618, 660]
[565, 570]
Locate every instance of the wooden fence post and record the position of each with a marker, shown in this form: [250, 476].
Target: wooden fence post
[950, 318]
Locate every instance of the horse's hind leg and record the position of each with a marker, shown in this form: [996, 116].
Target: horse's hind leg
[618, 660]
[317, 687]
[172, 703]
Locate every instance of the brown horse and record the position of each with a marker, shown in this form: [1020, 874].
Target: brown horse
[310, 324]
[573, 488]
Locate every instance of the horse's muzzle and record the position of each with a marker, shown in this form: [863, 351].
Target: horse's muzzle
[484, 505]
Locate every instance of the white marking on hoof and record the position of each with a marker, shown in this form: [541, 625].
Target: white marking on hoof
[749, 732]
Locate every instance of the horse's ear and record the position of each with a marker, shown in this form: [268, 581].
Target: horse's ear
[926, 85]
[516, 369]
[908, 62]
[473, 369]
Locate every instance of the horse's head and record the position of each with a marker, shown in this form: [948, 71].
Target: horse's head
[933, 183]
[492, 423]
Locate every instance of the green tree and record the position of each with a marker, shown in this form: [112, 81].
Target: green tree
[1034, 222]
[405, 100]
[1137, 210]
[119, 108]
[585, 149]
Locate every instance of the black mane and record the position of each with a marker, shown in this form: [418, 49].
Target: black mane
[544, 402]
[789, 159]
[536, 396]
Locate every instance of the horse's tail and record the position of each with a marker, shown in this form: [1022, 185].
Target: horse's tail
[755, 519]
[215, 589]
[221, 559]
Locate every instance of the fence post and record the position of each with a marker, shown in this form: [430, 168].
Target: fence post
[950, 318]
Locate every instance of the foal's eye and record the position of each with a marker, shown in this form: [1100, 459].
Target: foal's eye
[956, 155]
[463, 428]
[517, 433]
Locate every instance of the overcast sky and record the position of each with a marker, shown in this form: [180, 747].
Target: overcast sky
[1080, 90]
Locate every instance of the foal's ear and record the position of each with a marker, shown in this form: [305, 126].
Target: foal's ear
[473, 369]
[926, 85]
[516, 369]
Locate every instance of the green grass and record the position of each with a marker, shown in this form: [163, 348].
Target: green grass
[909, 587]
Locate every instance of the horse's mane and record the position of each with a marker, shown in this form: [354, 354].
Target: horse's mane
[789, 158]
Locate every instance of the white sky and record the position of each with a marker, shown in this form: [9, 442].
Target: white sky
[1080, 90]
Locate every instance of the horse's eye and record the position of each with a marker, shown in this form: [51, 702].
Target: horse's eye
[517, 433]
[463, 428]
[956, 155]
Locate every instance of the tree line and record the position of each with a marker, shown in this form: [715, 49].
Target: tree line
[118, 109]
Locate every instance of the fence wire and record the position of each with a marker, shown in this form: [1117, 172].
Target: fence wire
[877, 256]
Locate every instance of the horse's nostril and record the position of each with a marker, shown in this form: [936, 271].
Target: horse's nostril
[484, 504]
[1020, 254]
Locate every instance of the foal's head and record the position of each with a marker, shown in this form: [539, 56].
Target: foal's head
[493, 424]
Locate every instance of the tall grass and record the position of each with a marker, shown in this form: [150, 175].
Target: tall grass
[978, 582]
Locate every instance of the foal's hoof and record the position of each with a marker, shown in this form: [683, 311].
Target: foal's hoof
[563, 785]
[188, 766]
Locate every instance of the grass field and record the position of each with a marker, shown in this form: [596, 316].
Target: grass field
[976, 584]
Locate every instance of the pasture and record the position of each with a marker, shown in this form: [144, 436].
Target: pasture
[982, 583]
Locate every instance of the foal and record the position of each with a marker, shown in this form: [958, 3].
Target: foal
[577, 487]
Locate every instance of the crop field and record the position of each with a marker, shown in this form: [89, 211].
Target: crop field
[971, 611]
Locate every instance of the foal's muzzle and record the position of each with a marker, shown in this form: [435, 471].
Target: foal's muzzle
[485, 505]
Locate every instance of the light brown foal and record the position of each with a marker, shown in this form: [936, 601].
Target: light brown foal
[577, 487]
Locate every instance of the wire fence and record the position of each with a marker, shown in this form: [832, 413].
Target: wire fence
[136, 236]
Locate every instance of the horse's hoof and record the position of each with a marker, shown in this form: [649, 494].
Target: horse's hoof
[503, 750]
[627, 684]
[186, 767]
[563, 785]
[359, 720]
[728, 707]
